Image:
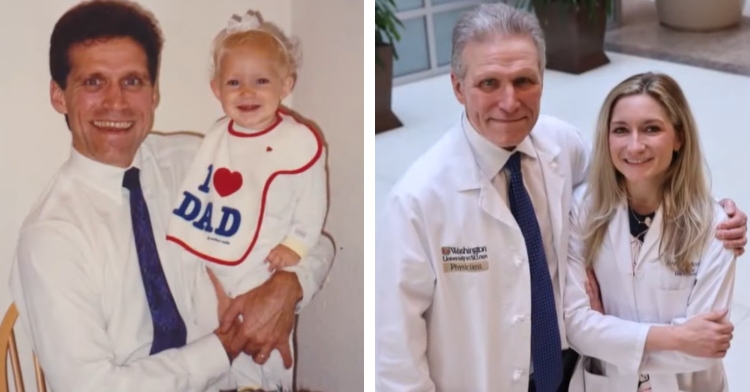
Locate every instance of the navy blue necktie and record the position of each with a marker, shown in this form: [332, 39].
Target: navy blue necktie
[546, 349]
[169, 328]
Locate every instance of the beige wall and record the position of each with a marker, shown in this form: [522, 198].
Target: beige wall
[34, 140]
[330, 336]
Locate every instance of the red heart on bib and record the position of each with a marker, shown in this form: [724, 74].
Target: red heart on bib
[227, 182]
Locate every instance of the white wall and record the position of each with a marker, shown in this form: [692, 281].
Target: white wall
[34, 140]
[330, 332]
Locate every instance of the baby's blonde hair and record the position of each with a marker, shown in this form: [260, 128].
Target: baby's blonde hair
[268, 36]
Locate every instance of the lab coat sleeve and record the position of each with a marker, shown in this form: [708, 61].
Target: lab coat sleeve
[712, 291]
[404, 281]
[61, 300]
[608, 338]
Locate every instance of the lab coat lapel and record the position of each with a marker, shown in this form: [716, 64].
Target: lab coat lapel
[554, 182]
[469, 178]
[619, 238]
[557, 202]
[650, 248]
[491, 203]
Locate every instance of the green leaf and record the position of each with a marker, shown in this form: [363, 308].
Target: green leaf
[386, 23]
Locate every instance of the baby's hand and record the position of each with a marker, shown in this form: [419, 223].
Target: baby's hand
[281, 257]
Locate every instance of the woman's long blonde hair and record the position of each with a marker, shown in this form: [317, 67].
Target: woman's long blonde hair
[687, 207]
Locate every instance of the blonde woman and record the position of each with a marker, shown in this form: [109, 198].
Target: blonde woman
[646, 228]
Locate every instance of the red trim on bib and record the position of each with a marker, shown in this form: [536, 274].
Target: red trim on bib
[270, 128]
[267, 185]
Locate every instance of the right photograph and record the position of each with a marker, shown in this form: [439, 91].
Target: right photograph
[559, 204]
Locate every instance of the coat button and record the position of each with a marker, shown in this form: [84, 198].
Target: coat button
[519, 262]
[518, 319]
[517, 375]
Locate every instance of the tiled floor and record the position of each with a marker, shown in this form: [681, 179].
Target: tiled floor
[642, 35]
[721, 105]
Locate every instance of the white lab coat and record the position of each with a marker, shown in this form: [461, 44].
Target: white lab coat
[464, 331]
[635, 298]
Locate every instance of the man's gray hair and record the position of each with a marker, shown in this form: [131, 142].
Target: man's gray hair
[501, 19]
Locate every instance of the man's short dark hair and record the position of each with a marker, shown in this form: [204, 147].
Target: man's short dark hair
[101, 20]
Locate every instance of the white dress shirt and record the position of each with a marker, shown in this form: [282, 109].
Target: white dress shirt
[77, 284]
[491, 160]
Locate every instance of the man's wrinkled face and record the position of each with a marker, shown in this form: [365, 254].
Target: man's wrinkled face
[502, 87]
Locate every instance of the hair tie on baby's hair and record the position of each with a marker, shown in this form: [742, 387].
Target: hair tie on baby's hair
[250, 21]
[239, 24]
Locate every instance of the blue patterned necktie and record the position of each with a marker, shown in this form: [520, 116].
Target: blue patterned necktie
[169, 328]
[546, 349]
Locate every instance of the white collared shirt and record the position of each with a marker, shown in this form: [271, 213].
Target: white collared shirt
[76, 279]
[491, 161]
[77, 284]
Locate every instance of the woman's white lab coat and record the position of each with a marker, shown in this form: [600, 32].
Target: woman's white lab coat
[640, 295]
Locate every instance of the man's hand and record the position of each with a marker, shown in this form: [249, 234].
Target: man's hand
[281, 256]
[592, 290]
[221, 296]
[267, 317]
[733, 231]
[706, 335]
[228, 337]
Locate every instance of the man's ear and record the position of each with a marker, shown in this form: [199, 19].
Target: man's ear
[57, 97]
[458, 88]
[157, 95]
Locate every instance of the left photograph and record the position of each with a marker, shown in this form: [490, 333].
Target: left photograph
[181, 218]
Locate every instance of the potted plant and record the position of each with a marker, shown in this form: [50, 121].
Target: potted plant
[573, 31]
[386, 34]
[699, 15]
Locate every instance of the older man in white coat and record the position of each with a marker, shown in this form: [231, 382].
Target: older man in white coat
[472, 244]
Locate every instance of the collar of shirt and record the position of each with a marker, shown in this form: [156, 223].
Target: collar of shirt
[239, 128]
[100, 176]
[491, 158]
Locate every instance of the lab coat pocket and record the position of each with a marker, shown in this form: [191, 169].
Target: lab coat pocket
[671, 304]
[594, 378]
[669, 279]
